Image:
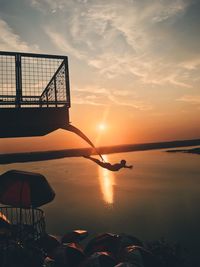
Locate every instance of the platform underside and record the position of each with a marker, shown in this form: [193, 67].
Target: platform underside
[27, 122]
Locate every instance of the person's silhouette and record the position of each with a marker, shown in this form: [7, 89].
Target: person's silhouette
[111, 167]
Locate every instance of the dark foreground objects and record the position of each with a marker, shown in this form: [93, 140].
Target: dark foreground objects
[111, 167]
[104, 250]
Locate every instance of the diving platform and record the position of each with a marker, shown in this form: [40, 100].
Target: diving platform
[34, 94]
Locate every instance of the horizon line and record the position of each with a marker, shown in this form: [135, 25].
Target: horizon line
[78, 152]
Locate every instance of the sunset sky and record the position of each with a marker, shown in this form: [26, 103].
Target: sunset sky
[134, 66]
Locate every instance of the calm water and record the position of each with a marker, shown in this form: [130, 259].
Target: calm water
[158, 197]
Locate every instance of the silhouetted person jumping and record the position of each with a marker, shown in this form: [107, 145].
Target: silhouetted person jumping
[111, 167]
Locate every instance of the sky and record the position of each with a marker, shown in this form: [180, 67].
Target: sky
[134, 66]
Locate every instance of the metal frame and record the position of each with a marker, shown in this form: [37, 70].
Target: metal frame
[24, 224]
[19, 100]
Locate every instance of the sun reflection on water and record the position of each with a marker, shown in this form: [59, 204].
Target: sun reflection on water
[107, 181]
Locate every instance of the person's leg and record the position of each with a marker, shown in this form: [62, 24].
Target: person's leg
[94, 159]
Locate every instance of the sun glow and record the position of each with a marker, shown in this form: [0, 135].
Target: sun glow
[102, 126]
[107, 181]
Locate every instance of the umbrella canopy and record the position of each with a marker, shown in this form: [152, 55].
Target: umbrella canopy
[103, 242]
[70, 255]
[74, 236]
[125, 264]
[49, 244]
[128, 240]
[100, 259]
[24, 189]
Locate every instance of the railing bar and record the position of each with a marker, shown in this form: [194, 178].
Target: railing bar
[55, 90]
[16, 215]
[59, 68]
[5, 53]
[67, 84]
[11, 215]
[32, 103]
[8, 96]
[25, 219]
[6, 212]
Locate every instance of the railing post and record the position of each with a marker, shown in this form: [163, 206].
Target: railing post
[67, 82]
[47, 99]
[18, 73]
[55, 88]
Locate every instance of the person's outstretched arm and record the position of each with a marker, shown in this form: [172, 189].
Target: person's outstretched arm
[128, 167]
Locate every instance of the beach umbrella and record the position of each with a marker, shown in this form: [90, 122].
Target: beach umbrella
[126, 240]
[74, 236]
[24, 189]
[69, 255]
[133, 255]
[48, 243]
[138, 256]
[100, 259]
[103, 242]
[16, 255]
[125, 264]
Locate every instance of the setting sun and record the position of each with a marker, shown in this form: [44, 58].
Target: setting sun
[102, 126]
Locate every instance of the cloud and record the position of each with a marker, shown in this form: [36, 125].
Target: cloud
[132, 19]
[102, 96]
[173, 79]
[123, 38]
[131, 102]
[62, 44]
[10, 41]
[81, 101]
[49, 5]
[169, 9]
[145, 69]
[191, 64]
[190, 99]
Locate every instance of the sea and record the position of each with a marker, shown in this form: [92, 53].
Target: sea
[158, 198]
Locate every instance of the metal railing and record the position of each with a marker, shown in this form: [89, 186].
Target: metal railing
[22, 224]
[33, 80]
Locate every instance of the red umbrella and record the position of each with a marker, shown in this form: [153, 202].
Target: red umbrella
[24, 189]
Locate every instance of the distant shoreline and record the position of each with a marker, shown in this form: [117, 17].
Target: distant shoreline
[58, 154]
[191, 151]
